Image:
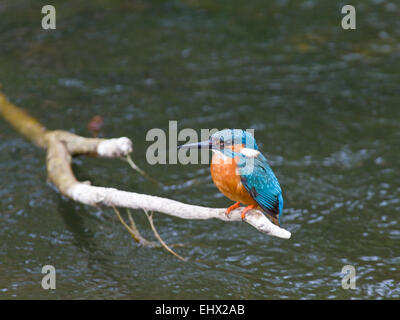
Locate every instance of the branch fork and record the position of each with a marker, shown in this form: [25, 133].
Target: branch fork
[62, 146]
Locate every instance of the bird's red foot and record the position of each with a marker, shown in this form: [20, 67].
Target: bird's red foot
[248, 208]
[232, 207]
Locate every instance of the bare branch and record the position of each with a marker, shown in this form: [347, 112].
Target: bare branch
[99, 196]
[62, 145]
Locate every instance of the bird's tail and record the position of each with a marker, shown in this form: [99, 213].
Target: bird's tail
[275, 221]
[280, 199]
[274, 217]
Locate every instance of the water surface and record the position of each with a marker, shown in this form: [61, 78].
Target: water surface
[324, 104]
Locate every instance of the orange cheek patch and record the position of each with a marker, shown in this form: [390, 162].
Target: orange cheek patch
[236, 147]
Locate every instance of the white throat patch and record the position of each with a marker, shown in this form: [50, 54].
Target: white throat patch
[249, 153]
[220, 154]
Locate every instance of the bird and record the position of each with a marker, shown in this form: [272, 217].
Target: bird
[242, 173]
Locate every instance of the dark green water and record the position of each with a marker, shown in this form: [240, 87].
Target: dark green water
[325, 106]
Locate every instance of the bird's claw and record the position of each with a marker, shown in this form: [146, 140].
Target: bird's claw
[245, 210]
[232, 207]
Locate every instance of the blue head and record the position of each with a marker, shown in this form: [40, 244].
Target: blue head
[225, 140]
[232, 137]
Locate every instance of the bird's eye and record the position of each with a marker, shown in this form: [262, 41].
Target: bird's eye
[221, 142]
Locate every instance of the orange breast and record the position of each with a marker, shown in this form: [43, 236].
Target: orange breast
[225, 177]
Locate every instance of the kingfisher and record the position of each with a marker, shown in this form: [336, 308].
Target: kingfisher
[242, 173]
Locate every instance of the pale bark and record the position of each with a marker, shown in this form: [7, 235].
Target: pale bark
[62, 145]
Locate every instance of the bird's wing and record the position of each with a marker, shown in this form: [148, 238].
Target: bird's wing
[261, 183]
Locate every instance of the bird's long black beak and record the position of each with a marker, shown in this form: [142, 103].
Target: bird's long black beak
[199, 145]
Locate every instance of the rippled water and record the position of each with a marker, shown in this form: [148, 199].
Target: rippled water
[324, 104]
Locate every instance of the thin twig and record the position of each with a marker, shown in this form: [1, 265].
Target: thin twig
[134, 166]
[134, 232]
[150, 218]
[133, 225]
